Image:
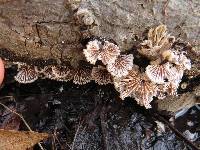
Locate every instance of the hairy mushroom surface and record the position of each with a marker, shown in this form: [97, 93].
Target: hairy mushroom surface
[121, 65]
[92, 51]
[26, 74]
[82, 76]
[109, 53]
[101, 76]
[138, 86]
[158, 41]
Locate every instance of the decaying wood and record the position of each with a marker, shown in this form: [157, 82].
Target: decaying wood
[55, 30]
[175, 104]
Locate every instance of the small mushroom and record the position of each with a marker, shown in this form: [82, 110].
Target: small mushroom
[101, 76]
[160, 73]
[26, 74]
[180, 59]
[62, 73]
[92, 51]
[121, 66]
[82, 75]
[158, 41]
[109, 53]
[48, 73]
[138, 86]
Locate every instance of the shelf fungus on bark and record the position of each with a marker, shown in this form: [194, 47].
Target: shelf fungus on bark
[167, 77]
[101, 76]
[138, 86]
[82, 75]
[92, 51]
[121, 65]
[161, 77]
[107, 52]
[158, 41]
[160, 73]
[48, 72]
[62, 73]
[179, 59]
[26, 74]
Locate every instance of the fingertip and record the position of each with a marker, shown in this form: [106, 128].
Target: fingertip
[2, 71]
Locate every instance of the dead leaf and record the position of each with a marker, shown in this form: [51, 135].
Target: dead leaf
[19, 140]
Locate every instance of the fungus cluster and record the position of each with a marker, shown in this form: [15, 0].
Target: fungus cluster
[161, 77]
[80, 75]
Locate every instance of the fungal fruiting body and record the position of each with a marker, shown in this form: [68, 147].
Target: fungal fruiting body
[63, 73]
[26, 74]
[179, 58]
[92, 51]
[161, 91]
[107, 52]
[144, 95]
[160, 73]
[128, 84]
[171, 88]
[158, 41]
[101, 76]
[48, 73]
[136, 85]
[121, 65]
[59, 72]
[82, 76]
[161, 77]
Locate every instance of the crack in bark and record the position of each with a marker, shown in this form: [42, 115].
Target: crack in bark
[52, 22]
[38, 34]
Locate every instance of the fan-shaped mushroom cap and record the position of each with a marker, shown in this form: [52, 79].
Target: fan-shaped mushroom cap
[138, 86]
[101, 76]
[121, 66]
[158, 41]
[160, 73]
[62, 73]
[82, 76]
[109, 53]
[48, 72]
[92, 51]
[180, 59]
[26, 74]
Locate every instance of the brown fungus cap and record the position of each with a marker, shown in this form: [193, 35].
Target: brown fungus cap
[138, 86]
[82, 75]
[101, 76]
[158, 41]
[92, 51]
[26, 74]
[121, 65]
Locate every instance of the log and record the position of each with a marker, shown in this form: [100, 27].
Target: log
[33, 31]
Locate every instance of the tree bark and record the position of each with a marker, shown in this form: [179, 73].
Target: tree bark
[32, 30]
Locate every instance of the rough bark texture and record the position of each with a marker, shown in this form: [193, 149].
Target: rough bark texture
[54, 30]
